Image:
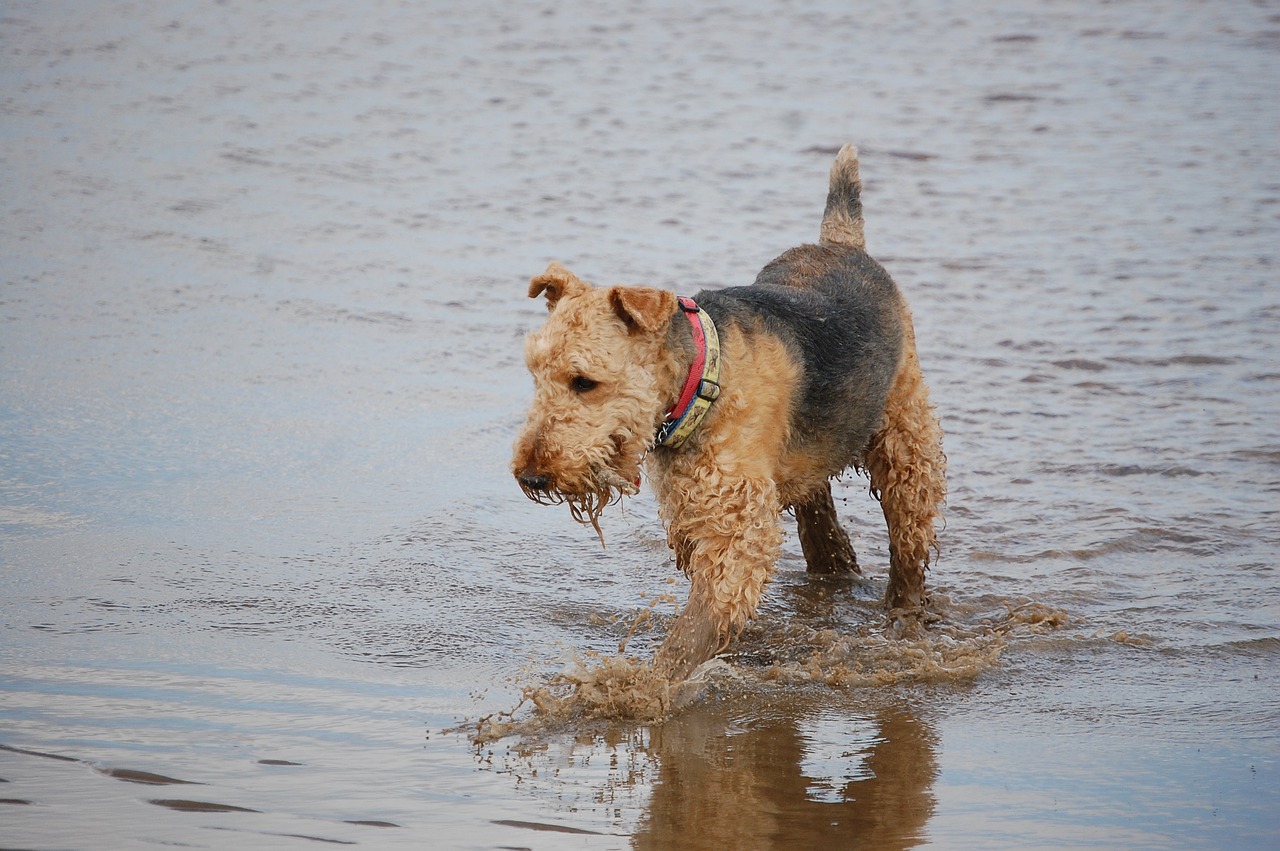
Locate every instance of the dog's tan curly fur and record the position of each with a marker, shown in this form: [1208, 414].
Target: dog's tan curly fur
[610, 362]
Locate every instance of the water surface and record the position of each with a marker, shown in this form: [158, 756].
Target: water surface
[264, 567]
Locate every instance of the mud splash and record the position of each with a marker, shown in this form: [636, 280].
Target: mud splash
[960, 643]
[597, 687]
[591, 686]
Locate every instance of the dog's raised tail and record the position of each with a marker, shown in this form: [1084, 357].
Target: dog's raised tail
[842, 221]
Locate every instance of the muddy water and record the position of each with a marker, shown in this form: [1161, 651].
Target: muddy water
[264, 568]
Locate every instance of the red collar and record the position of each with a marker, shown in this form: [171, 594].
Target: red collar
[701, 386]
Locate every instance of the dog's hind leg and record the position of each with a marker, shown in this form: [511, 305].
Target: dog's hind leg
[908, 475]
[826, 547]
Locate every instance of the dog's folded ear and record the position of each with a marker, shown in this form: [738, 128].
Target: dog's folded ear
[643, 308]
[556, 283]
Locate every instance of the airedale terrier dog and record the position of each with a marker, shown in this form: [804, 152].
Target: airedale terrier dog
[741, 403]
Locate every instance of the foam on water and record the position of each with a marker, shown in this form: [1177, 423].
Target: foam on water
[772, 654]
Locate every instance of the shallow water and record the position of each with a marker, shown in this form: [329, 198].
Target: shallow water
[260, 326]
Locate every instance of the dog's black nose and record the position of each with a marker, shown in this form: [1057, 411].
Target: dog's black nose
[534, 481]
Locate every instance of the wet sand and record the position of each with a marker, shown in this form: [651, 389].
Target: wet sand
[264, 566]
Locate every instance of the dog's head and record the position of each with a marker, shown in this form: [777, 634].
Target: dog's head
[602, 382]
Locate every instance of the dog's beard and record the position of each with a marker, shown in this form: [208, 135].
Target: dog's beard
[600, 489]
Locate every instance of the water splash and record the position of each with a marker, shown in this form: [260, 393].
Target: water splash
[960, 643]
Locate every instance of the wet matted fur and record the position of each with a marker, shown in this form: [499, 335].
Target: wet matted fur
[819, 374]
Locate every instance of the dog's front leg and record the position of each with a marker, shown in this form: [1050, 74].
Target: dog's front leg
[693, 639]
[726, 537]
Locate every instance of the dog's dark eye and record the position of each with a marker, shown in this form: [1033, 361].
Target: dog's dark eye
[581, 384]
